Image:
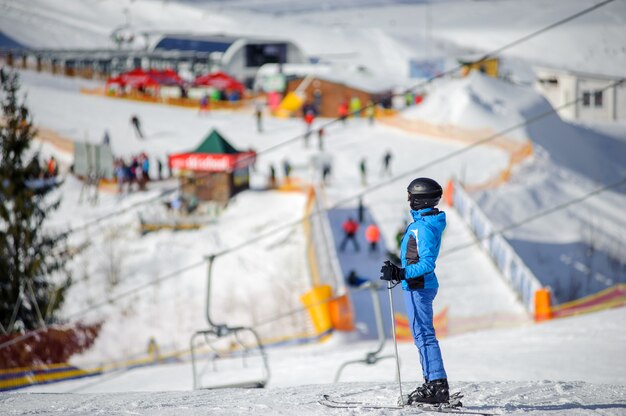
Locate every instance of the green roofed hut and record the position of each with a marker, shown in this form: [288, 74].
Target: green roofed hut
[215, 170]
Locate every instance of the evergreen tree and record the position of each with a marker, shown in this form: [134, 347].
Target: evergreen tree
[33, 278]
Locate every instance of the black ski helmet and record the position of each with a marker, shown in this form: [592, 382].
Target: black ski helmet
[424, 193]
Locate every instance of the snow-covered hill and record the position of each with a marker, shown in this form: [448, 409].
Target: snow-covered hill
[499, 370]
[55, 103]
[576, 250]
[573, 366]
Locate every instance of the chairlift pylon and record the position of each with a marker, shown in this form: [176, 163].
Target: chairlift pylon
[371, 357]
[227, 345]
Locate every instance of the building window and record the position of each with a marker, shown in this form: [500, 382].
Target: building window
[586, 98]
[553, 82]
[597, 98]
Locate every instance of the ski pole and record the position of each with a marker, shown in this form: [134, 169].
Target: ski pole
[395, 342]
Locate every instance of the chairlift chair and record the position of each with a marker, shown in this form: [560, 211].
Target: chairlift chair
[227, 348]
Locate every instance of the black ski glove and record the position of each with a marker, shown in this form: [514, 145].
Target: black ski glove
[391, 272]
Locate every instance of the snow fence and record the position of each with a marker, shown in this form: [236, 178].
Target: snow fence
[513, 269]
[328, 302]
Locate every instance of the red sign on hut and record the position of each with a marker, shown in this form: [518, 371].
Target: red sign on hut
[215, 170]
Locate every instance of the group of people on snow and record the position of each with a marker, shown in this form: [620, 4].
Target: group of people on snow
[135, 172]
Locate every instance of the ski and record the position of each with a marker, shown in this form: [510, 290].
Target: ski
[451, 410]
[328, 401]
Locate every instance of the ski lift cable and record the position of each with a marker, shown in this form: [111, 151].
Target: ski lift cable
[121, 211]
[416, 87]
[372, 188]
[545, 29]
[469, 147]
[175, 273]
[431, 163]
[499, 50]
[320, 211]
[461, 247]
[377, 186]
[413, 88]
[110, 300]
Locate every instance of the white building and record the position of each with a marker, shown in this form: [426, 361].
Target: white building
[241, 57]
[599, 101]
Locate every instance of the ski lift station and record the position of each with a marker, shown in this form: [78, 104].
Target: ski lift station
[240, 57]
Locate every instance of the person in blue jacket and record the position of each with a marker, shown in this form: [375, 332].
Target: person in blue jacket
[419, 249]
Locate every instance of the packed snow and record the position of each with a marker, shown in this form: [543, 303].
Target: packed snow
[564, 367]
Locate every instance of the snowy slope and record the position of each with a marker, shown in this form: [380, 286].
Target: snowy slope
[479, 102]
[576, 250]
[158, 311]
[517, 398]
[507, 362]
[540, 398]
[497, 370]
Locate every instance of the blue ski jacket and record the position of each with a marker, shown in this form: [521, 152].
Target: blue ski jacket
[420, 247]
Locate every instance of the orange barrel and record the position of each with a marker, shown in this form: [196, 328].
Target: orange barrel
[341, 313]
[316, 301]
[543, 311]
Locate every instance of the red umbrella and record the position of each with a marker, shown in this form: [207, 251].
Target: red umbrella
[115, 80]
[221, 81]
[166, 77]
[138, 78]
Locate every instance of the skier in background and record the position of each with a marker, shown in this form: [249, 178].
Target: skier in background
[286, 170]
[350, 227]
[363, 170]
[326, 171]
[145, 166]
[370, 112]
[320, 138]
[355, 107]
[272, 180]
[53, 167]
[106, 139]
[160, 169]
[360, 211]
[386, 168]
[343, 111]
[372, 235]
[134, 120]
[419, 251]
[309, 117]
[204, 104]
[258, 113]
[355, 280]
[317, 101]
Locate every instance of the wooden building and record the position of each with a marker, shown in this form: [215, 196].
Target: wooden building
[214, 171]
[326, 94]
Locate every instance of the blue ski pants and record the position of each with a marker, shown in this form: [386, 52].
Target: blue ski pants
[419, 306]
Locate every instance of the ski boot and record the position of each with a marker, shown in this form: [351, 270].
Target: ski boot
[431, 392]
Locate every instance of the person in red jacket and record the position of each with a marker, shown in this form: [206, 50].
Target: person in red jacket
[350, 227]
[343, 111]
[372, 235]
[309, 117]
